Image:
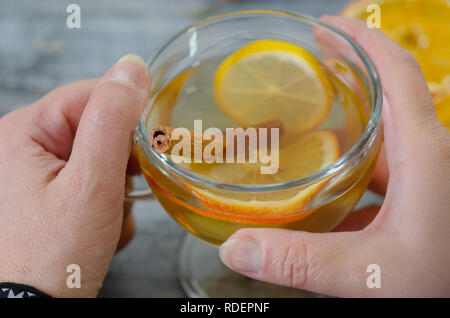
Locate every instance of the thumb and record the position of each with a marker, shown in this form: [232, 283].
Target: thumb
[103, 139]
[329, 263]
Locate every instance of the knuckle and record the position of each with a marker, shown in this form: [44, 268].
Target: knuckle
[443, 142]
[112, 105]
[428, 120]
[87, 188]
[3, 137]
[294, 266]
[8, 133]
[402, 55]
[74, 182]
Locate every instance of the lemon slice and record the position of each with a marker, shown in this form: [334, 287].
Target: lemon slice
[271, 79]
[421, 26]
[299, 157]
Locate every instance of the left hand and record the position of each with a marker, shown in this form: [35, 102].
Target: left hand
[63, 163]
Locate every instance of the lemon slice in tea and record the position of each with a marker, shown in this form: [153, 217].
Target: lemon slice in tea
[297, 158]
[271, 79]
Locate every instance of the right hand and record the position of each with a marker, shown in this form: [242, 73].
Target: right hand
[409, 238]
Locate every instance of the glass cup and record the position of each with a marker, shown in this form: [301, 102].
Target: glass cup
[340, 185]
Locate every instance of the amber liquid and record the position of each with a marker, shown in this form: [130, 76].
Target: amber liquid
[189, 96]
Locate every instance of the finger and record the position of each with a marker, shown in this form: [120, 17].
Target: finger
[358, 220]
[128, 232]
[102, 143]
[329, 263]
[55, 117]
[133, 167]
[51, 122]
[380, 177]
[410, 122]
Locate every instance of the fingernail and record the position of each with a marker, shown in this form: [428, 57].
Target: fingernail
[242, 255]
[130, 69]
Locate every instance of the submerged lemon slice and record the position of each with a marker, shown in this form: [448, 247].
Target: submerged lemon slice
[271, 79]
[298, 158]
[423, 27]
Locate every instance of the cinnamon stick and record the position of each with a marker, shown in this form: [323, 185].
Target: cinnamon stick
[161, 141]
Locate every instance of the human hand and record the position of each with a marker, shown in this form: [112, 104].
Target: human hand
[408, 238]
[63, 163]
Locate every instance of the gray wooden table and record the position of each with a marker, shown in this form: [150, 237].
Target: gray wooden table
[38, 53]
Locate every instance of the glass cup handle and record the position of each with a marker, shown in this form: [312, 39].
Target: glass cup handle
[132, 194]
